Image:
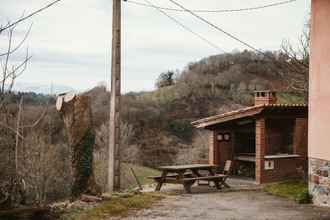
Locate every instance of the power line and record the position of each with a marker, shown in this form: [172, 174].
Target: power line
[215, 11]
[28, 16]
[185, 27]
[216, 27]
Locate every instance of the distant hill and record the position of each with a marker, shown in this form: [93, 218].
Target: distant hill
[41, 88]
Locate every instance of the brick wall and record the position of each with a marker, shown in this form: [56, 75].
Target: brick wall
[265, 97]
[300, 138]
[212, 148]
[284, 169]
[260, 148]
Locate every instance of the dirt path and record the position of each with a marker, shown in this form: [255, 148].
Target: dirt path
[244, 201]
[230, 205]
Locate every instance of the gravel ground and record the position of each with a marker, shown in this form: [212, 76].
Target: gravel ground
[240, 202]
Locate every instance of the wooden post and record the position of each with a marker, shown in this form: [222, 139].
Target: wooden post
[136, 179]
[114, 137]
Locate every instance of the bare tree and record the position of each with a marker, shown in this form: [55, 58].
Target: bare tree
[11, 123]
[12, 185]
[10, 71]
[297, 63]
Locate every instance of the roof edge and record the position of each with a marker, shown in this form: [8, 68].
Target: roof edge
[240, 113]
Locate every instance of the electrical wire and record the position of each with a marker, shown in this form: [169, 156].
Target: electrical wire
[28, 16]
[185, 27]
[214, 11]
[216, 27]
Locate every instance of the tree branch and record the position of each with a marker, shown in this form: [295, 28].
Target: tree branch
[19, 45]
[10, 25]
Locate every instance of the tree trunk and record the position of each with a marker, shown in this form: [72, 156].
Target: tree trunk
[77, 116]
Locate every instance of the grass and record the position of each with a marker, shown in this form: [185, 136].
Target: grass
[117, 206]
[286, 98]
[141, 172]
[128, 181]
[295, 190]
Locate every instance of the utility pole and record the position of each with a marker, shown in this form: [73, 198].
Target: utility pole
[114, 137]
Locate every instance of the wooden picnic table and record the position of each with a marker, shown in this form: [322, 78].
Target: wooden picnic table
[187, 175]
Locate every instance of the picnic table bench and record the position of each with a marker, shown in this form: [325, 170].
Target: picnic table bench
[187, 175]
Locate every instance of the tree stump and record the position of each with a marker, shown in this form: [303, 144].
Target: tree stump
[77, 116]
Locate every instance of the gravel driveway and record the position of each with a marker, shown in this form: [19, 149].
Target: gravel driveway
[235, 204]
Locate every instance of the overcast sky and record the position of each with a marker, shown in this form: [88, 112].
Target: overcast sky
[71, 41]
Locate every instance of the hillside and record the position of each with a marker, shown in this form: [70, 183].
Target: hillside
[156, 125]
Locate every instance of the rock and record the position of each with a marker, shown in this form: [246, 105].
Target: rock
[106, 196]
[89, 198]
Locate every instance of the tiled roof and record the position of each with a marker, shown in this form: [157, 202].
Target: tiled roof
[242, 113]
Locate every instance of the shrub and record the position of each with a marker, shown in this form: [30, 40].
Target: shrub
[181, 128]
[295, 190]
[304, 197]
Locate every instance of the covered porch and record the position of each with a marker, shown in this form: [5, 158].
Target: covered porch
[267, 142]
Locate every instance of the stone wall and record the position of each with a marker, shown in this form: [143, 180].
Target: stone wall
[319, 181]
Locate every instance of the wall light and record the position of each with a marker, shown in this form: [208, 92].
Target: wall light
[220, 137]
[227, 137]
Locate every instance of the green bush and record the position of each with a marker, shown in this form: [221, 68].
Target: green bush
[295, 190]
[304, 197]
[181, 128]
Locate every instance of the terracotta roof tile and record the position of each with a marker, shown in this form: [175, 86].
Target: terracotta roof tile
[241, 113]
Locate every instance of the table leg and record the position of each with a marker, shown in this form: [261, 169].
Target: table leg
[194, 171]
[223, 182]
[208, 182]
[211, 171]
[187, 187]
[161, 181]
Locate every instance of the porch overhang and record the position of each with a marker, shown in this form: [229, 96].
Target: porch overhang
[248, 112]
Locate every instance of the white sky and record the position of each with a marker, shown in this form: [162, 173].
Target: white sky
[70, 42]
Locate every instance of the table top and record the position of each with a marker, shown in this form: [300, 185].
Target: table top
[246, 158]
[186, 167]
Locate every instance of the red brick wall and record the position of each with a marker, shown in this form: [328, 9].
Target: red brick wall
[265, 97]
[264, 100]
[300, 138]
[212, 148]
[260, 148]
[284, 169]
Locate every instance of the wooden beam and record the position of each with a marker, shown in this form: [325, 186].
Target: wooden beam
[114, 126]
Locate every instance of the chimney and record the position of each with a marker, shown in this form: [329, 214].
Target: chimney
[265, 97]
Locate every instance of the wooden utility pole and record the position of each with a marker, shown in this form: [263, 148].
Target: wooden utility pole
[114, 137]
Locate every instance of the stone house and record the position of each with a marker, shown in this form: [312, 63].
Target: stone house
[266, 142]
